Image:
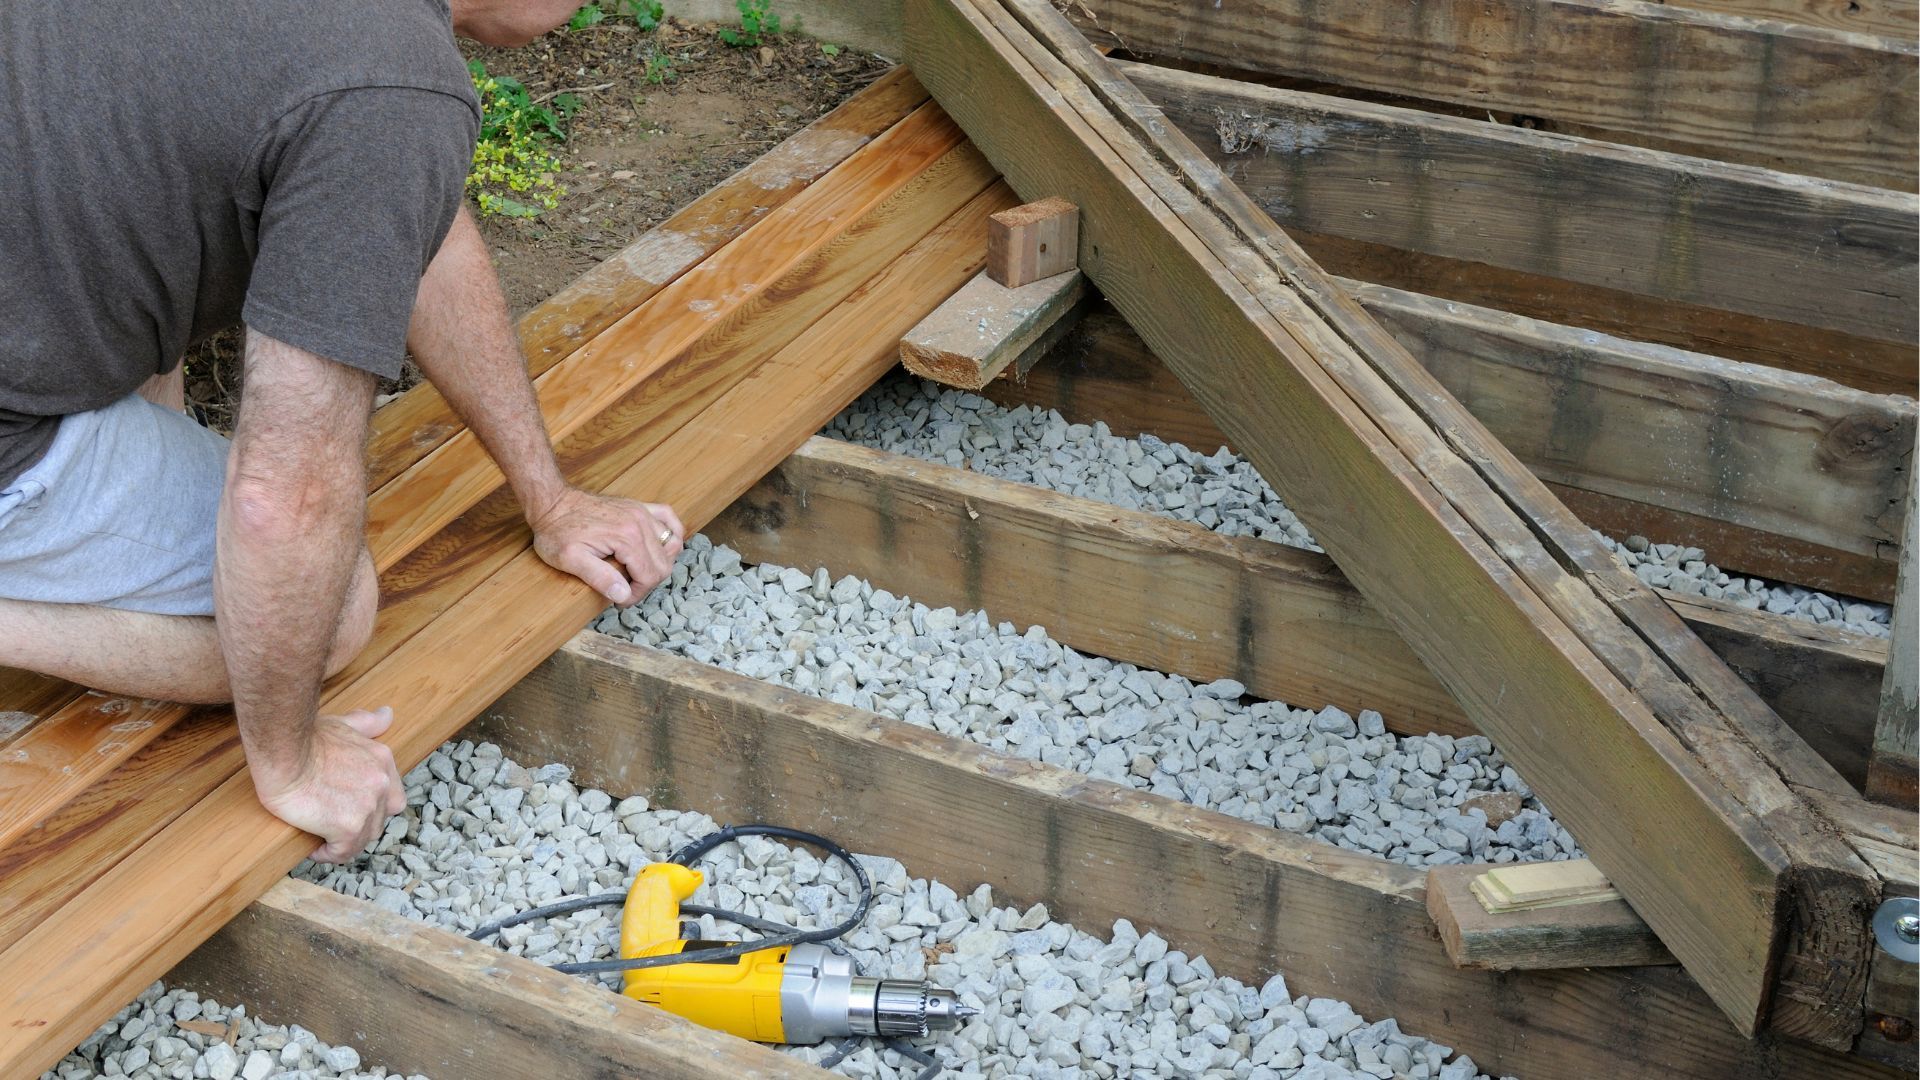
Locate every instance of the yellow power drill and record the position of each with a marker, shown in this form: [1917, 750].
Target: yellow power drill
[796, 994]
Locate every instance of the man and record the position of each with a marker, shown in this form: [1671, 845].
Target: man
[297, 167]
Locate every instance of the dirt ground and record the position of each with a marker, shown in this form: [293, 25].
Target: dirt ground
[636, 150]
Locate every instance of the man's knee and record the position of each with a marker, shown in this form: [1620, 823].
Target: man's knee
[356, 616]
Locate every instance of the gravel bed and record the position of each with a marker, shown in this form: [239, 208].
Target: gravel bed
[155, 1037]
[1417, 800]
[1221, 491]
[483, 837]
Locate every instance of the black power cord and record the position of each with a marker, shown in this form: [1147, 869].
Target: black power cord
[684, 857]
[777, 934]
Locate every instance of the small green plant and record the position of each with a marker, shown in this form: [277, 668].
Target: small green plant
[829, 50]
[513, 169]
[658, 70]
[646, 14]
[757, 21]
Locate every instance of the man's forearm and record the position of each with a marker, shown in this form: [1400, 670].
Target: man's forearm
[288, 537]
[466, 345]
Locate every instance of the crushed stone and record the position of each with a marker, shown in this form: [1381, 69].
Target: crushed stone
[1346, 780]
[1222, 491]
[484, 837]
[147, 1041]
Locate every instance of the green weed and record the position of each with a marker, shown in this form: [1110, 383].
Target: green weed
[513, 170]
[757, 22]
[646, 14]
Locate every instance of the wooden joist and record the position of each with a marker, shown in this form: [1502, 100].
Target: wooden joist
[1176, 597]
[1252, 899]
[1778, 475]
[417, 999]
[1896, 740]
[1545, 641]
[987, 328]
[76, 962]
[1826, 103]
[1828, 267]
[1595, 934]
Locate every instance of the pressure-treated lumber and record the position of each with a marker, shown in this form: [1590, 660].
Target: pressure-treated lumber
[1583, 935]
[50, 762]
[987, 328]
[460, 473]
[417, 999]
[1179, 598]
[1439, 525]
[1781, 247]
[1826, 103]
[420, 419]
[1252, 899]
[1896, 737]
[1783, 476]
[1891, 18]
[81, 959]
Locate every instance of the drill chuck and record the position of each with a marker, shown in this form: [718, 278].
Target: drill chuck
[821, 998]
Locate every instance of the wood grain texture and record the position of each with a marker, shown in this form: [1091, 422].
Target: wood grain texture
[27, 698]
[81, 960]
[1180, 598]
[418, 999]
[1034, 241]
[1686, 230]
[1896, 736]
[1252, 899]
[1495, 622]
[1598, 935]
[1881, 367]
[1733, 736]
[1635, 438]
[987, 328]
[1826, 103]
[447, 482]
[420, 419]
[1890, 18]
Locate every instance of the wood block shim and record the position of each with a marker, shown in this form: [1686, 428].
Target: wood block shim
[987, 328]
[1642, 741]
[1592, 933]
[1537, 885]
[1034, 241]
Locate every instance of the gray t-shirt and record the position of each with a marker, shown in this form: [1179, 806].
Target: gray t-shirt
[170, 170]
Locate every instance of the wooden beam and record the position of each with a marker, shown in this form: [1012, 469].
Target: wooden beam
[1863, 363]
[1180, 598]
[420, 419]
[1891, 773]
[987, 328]
[1506, 596]
[1782, 476]
[1590, 935]
[1745, 88]
[1252, 899]
[418, 999]
[460, 473]
[1691, 231]
[1889, 18]
[79, 961]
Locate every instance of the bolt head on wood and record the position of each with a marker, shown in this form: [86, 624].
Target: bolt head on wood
[1038, 240]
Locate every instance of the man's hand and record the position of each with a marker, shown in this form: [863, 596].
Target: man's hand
[578, 533]
[346, 789]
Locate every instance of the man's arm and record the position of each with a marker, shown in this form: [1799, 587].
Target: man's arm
[289, 534]
[465, 343]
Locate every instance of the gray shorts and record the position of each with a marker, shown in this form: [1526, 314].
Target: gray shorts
[118, 513]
